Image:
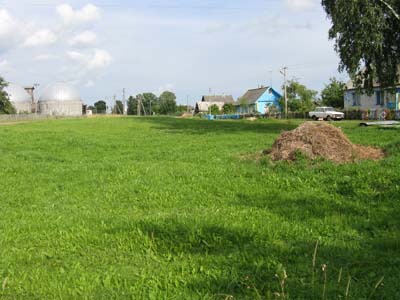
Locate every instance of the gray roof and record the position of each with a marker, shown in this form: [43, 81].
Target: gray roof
[218, 98]
[253, 95]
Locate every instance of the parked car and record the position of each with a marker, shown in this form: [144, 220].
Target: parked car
[326, 113]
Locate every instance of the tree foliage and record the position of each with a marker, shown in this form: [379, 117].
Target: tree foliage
[132, 105]
[167, 103]
[244, 105]
[367, 39]
[300, 98]
[150, 103]
[181, 109]
[5, 104]
[333, 93]
[214, 109]
[101, 107]
[229, 108]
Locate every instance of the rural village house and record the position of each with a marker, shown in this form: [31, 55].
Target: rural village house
[381, 98]
[207, 101]
[257, 100]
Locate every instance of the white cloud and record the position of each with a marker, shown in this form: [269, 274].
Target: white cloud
[45, 56]
[7, 23]
[87, 13]
[96, 60]
[3, 64]
[5, 67]
[301, 4]
[43, 37]
[89, 84]
[163, 88]
[76, 56]
[216, 27]
[100, 59]
[11, 30]
[83, 38]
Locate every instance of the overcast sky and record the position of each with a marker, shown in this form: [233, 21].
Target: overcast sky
[188, 47]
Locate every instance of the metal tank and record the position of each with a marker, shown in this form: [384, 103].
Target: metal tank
[19, 98]
[60, 99]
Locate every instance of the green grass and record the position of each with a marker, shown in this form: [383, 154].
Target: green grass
[164, 208]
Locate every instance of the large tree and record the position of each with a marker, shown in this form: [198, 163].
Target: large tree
[151, 103]
[300, 98]
[5, 104]
[167, 103]
[132, 105]
[101, 107]
[367, 35]
[333, 93]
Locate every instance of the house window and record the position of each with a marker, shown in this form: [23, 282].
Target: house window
[379, 97]
[356, 99]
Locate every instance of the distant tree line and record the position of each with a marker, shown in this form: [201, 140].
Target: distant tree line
[149, 104]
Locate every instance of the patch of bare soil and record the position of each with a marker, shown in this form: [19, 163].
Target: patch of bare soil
[10, 123]
[321, 140]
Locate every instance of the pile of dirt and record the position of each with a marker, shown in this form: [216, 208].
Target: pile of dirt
[321, 140]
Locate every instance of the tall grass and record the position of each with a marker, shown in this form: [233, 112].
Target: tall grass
[165, 208]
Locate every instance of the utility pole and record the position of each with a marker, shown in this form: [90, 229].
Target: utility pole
[284, 73]
[125, 104]
[187, 103]
[115, 105]
[209, 106]
[138, 108]
[150, 111]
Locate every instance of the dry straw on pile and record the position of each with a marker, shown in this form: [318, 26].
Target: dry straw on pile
[321, 140]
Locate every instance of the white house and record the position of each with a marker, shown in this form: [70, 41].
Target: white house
[379, 99]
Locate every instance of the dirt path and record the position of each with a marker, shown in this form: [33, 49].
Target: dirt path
[10, 123]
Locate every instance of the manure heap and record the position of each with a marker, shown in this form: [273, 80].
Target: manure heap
[321, 140]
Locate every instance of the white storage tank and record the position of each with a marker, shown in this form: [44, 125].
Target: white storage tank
[19, 98]
[60, 99]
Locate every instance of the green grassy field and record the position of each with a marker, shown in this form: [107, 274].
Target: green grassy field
[164, 208]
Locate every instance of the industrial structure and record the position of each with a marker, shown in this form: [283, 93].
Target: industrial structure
[58, 99]
[19, 98]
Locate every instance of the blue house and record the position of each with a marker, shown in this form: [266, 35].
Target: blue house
[257, 100]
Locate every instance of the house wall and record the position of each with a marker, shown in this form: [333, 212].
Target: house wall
[251, 108]
[378, 100]
[270, 97]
